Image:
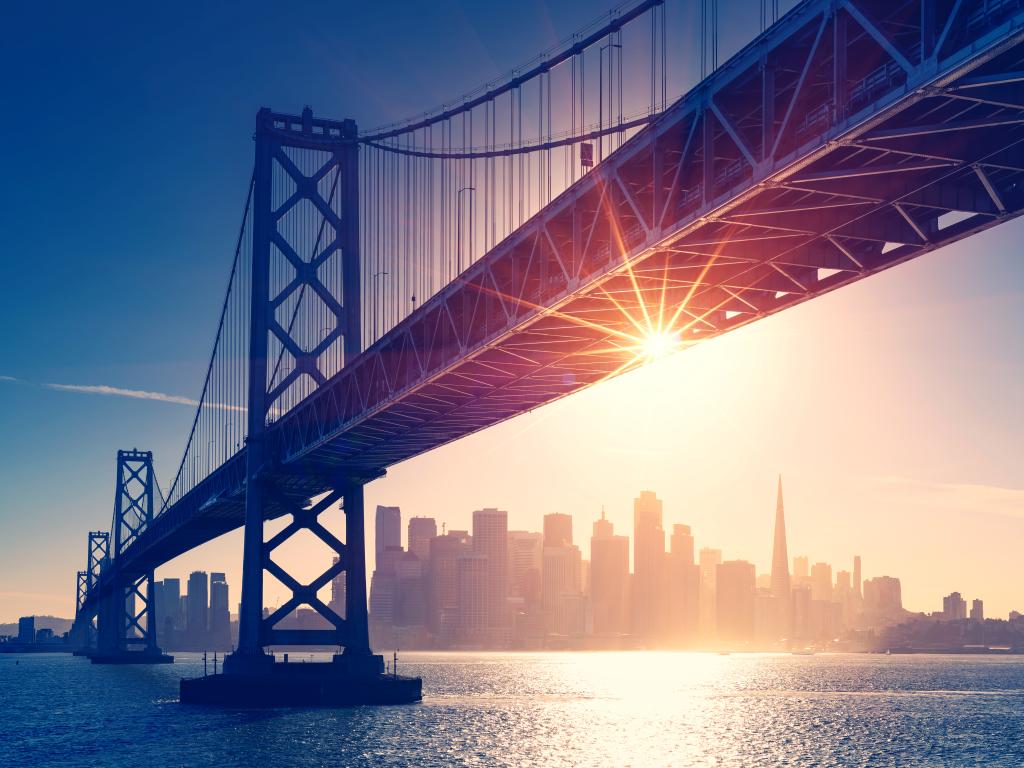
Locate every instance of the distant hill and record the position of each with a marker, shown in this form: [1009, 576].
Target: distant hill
[57, 624]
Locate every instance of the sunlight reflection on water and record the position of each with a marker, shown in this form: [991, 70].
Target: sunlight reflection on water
[621, 709]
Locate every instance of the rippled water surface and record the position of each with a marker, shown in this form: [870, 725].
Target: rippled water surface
[591, 709]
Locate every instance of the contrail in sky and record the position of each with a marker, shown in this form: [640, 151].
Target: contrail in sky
[135, 394]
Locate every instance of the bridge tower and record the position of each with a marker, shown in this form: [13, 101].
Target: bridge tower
[82, 630]
[127, 614]
[305, 227]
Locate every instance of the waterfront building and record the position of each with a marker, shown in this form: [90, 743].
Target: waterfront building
[801, 570]
[734, 601]
[490, 540]
[649, 599]
[609, 580]
[779, 619]
[683, 587]
[443, 584]
[338, 591]
[387, 529]
[220, 614]
[821, 582]
[557, 530]
[977, 610]
[709, 562]
[954, 607]
[525, 561]
[197, 611]
[420, 531]
[883, 601]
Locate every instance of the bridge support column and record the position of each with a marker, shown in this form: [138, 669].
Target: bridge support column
[127, 612]
[318, 159]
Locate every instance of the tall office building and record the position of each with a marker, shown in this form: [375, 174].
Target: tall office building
[780, 555]
[561, 591]
[198, 611]
[339, 589]
[883, 601]
[734, 601]
[525, 562]
[220, 613]
[388, 530]
[954, 607]
[779, 609]
[169, 612]
[649, 598]
[421, 531]
[557, 530]
[473, 602]
[683, 587]
[609, 580]
[821, 582]
[856, 576]
[801, 570]
[27, 629]
[384, 590]
[977, 610]
[443, 584]
[490, 540]
[709, 561]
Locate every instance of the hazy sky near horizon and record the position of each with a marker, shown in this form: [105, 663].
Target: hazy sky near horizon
[893, 407]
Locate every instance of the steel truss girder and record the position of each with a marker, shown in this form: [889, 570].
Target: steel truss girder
[861, 208]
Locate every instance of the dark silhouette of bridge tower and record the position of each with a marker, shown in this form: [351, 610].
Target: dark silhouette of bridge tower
[126, 629]
[318, 160]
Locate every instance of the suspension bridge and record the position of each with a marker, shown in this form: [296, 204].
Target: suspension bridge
[395, 289]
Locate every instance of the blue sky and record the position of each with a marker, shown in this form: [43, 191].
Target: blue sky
[892, 406]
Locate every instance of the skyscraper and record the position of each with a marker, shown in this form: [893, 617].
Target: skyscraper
[780, 555]
[883, 601]
[421, 531]
[557, 530]
[734, 600]
[801, 570]
[821, 582]
[525, 561]
[709, 561]
[780, 608]
[683, 587]
[197, 626]
[977, 610]
[649, 598]
[954, 607]
[609, 580]
[490, 540]
[856, 576]
[388, 528]
[220, 613]
[443, 585]
[338, 591]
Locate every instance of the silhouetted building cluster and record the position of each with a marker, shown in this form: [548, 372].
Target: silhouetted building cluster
[495, 588]
[200, 619]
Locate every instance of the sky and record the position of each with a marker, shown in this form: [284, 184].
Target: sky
[892, 407]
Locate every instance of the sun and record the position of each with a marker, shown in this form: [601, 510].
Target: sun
[658, 344]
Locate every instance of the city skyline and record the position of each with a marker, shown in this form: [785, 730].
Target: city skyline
[492, 588]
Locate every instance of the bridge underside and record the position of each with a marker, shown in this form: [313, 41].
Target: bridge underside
[835, 152]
